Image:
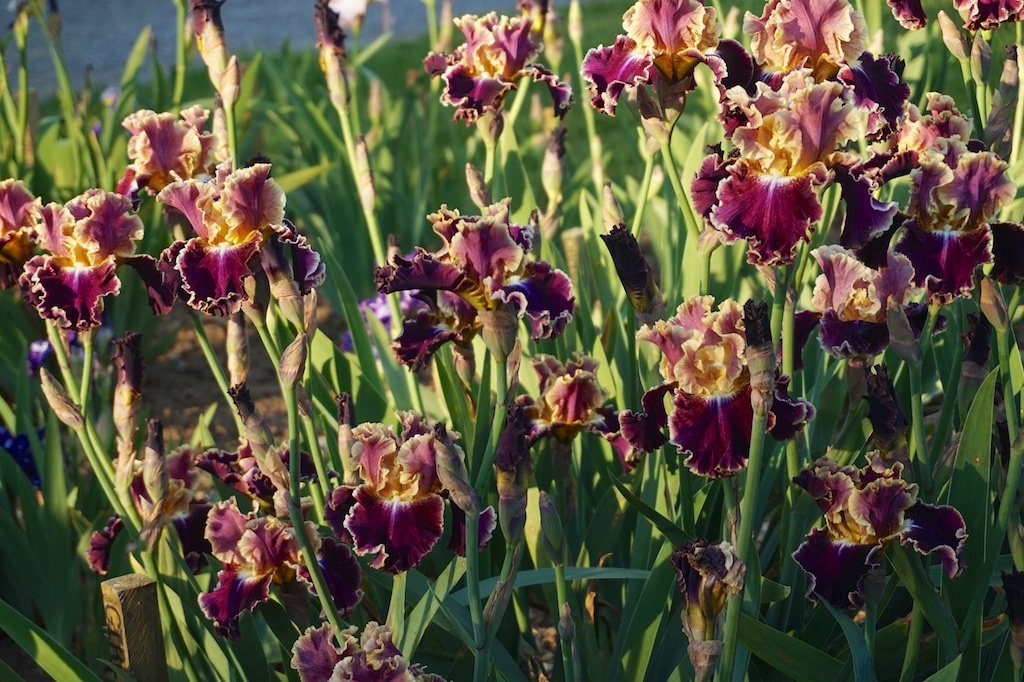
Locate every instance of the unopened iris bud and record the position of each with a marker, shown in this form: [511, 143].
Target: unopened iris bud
[59, 401]
[635, 273]
[951, 36]
[553, 168]
[343, 402]
[365, 180]
[706, 574]
[209, 31]
[127, 355]
[611, 210]
[451, 469]
[237, 346]
[498, 329]
[551, 529]
[993, 305]
[293, 361]
[901, 336]
[478, 191]
[154, 477]
[511, 470]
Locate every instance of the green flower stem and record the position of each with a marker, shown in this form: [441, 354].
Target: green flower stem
[180, 55]
[575, 21]
[1004, 338]
[85, 388]
[922, 459]
[431, 10]
[565, 642]
[688, 215]
[744, 544]
[295, 512]
[317, 490]
[215, 368]
[950, 387]
[481, 657]
[1007, 508]
[20, 27]
[913, 648]
[1018, 111]
[645, 190]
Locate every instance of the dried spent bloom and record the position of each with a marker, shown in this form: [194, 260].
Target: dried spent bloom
[865, 508]
[706, 574]
[497, 54]
[704, 369]
[19, 212]
[372, 658]
[480, 280]
[85, 239]
[164, 149]
[853, 300]
[635, 273]
[397, 513]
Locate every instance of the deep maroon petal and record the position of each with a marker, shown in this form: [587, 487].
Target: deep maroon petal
[399, 533]
[788, 415]
[545, 295]
[314, 656]
[161, 280]
[1008, 253]
[488, 519]
[213, 278]
[236, 591]
[944, 262]
[341, 572]
[866, 216]
[608, 70]
[646, 430]
[715, 431]
[704, 188]
[909, 13]
[472, 94]
[302, 264]
[100, 544]
[339, 504]
[988, 14]
[835, 570]
[878, 80]
[191, 530]
[70, 296]
[852, 338]
[938, 530]
[884, 413]
[773, 213]
[561, 92]
[424, 271]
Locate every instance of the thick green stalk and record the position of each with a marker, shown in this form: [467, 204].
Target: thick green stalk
[575, 21]
[180, 55]
[688, 216]
[481, 657]
[214, 364]
[922, 459]
[645, 190]
[396, 608]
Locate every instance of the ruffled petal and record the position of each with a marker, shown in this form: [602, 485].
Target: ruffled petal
[314, 656]
[472, 95]
[944, 261]
[400, 534]
[646, 430]
[225, 526]
[772, 212]
[938, 530]
[788, 416]
[988, 14]
[486, 524]
[100, 544]
[835, 570]
[213, 278]
[544, 294]
[237, 590]
[880, 505]
[608, 70]
[909, 13]
[341, 572]
[866, 217]
[714, 431]
[70, 296]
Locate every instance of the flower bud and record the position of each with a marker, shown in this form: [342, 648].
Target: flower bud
[127, 356]
[633, 269]
[237, 345]
[59, 401]
[498, 329]
[901, 336]
[345, 424]
[155, 478]
[566, 625]
[230, 82]
[575, 19]
[952, 37]
[993, 305]
[511, 470]
[365, 180]
[553, 168]
[451, 469]
[760, 354]
[478, 191]
[293, 361]
[209, 32]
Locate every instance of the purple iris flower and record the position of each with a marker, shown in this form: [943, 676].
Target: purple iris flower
[371, 658]
[864, 509]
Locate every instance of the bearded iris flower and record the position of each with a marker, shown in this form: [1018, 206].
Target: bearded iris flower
[371, 658]
[235, 215]
[664, 41]
[397, 513]
[481, 279]
[864, 509]
[19, 211]
[704, 367]
[497, 54]
[164, 149]
[86, 239]
[853, 300]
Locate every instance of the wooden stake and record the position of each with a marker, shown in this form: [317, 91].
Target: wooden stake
[133, 626]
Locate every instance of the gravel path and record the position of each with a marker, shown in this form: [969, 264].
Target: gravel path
[98, 34]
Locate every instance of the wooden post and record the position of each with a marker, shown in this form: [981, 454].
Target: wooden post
[133, 626]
